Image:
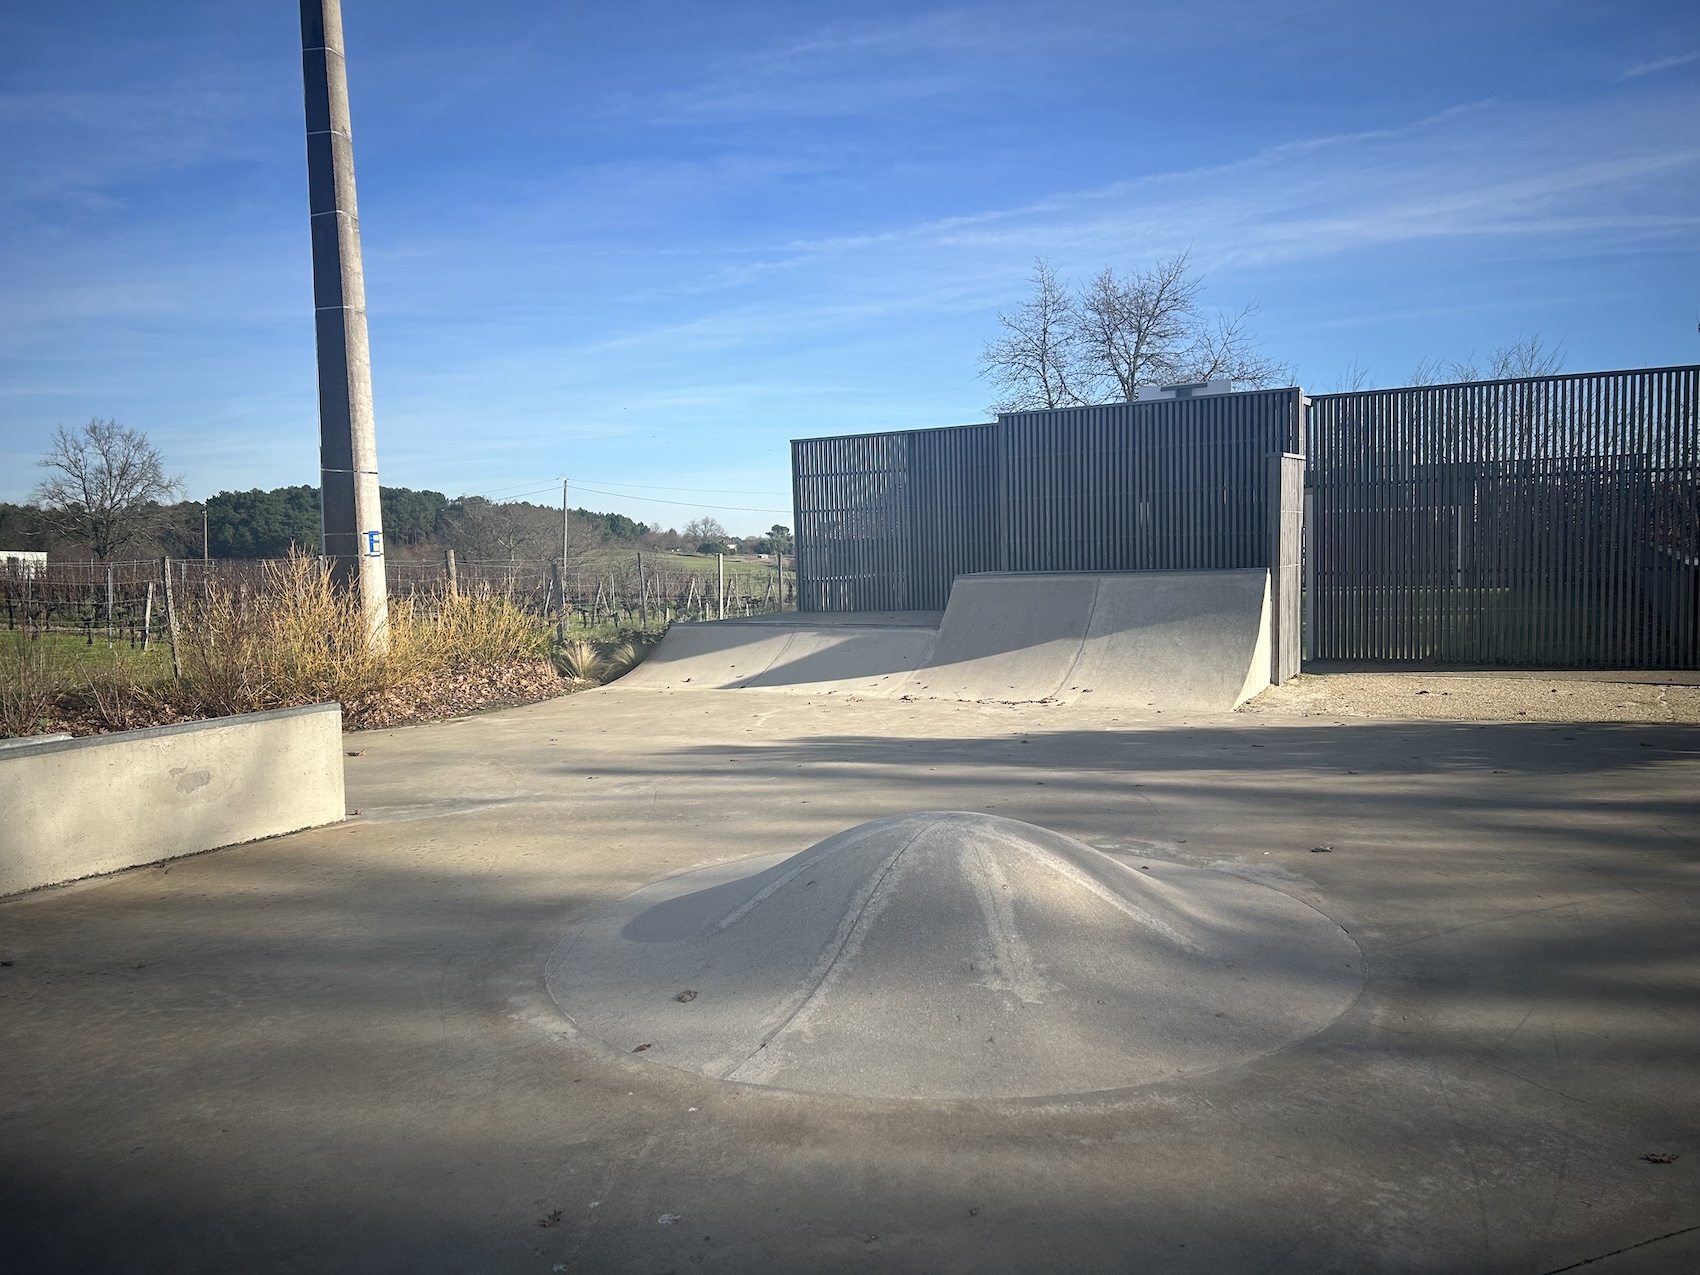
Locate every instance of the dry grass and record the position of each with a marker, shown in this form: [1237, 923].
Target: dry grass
[295, 640]
[581, 661]
[620, 658]
[30, 683]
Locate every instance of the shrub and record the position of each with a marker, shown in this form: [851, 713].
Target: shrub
[580, 661]
[30, 684]
[297, 640]
[620, 658]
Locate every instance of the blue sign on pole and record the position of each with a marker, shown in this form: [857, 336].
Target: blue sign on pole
[374, 544]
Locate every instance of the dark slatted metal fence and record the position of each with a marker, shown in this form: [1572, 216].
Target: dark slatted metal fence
[1550, 522]
[887, 521]
[1167, 485]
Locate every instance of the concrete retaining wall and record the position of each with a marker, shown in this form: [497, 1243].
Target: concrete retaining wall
[80, 807]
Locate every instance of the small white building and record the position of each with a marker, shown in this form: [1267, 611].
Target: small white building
[22, 564]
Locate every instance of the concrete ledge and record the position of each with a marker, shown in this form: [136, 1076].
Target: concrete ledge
[80, 807]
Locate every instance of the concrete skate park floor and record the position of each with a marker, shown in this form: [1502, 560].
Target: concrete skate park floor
[335, 1050]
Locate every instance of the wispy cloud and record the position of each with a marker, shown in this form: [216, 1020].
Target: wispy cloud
[1485, 178]
[653, 245]
[1500, 171]
[1660, 64]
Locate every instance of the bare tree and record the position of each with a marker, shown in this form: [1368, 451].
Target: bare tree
[512, 530]
[1139, 329]
[107, 485]
[1526, 356]
[700, 529]
[1428, 371]
[1034, 364]
[1354, 378]
[1223, 350]
[1119, 333]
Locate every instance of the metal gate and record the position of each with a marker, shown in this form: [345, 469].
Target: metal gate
[1550, 522]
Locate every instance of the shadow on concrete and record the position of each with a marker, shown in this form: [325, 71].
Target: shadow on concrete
[330, 1052]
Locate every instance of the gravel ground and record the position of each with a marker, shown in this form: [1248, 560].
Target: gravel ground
[1486, 697]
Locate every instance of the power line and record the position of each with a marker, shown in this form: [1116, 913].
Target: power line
[532, 490]
[711, 491]
[687, 504]
[511, 494]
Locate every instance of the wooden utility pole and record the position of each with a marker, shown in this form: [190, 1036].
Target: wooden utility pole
[349, 500]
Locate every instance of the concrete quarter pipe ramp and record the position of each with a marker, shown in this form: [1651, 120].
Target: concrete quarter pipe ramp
[1177, 640]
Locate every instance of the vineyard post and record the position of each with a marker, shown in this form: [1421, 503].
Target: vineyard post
[643, 593]
[560, 606]
[171, 621]
[147, 618]
[720, 599]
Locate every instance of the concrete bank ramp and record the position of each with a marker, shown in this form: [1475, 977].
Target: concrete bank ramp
[1191, 641]
[866, 653]
[946, 954]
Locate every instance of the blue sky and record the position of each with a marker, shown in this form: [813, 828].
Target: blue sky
[646, 244]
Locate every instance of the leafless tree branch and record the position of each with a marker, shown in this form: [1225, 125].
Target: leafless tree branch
[1223, 349]
[1119, 333]
[1526, 356]
[1140, 328]
[106, 485]
[1035, 363]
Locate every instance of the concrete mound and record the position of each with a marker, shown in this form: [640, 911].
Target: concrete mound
[944, 955]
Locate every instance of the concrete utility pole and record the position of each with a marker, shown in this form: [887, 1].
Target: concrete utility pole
[353, 529]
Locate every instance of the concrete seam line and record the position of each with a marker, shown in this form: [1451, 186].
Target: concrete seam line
[1085, 637]
[1589, 1261]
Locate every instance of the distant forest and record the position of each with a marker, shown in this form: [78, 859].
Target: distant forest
[266, 524]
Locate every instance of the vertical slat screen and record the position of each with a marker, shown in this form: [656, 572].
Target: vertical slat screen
[888, 521]
[1550, 522]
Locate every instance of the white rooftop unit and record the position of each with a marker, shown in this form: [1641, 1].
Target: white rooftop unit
[1185, 389]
